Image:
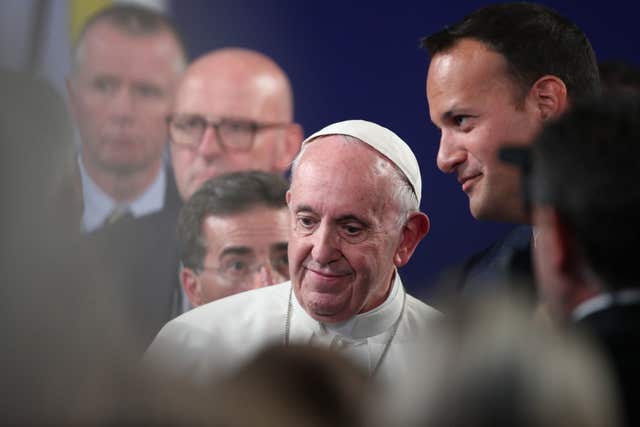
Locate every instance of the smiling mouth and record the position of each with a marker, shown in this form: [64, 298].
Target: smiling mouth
[468, 181]
[328, 275]
[325, 278]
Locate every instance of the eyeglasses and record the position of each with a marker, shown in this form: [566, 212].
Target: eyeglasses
[240, 268]
[232, 134]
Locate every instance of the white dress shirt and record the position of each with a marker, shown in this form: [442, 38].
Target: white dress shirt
[98, 205]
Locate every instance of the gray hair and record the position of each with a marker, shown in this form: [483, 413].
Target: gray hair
[402, 192]
[135, 21]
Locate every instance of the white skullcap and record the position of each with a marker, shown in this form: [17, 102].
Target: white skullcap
[383, 141]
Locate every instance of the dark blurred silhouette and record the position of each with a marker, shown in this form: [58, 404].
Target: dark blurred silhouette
[492, 366]
[585, 210]
[68, 356]
[619, 76]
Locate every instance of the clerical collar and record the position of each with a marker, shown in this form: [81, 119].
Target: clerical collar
[603, 301]
[364, 325]
[98, 204]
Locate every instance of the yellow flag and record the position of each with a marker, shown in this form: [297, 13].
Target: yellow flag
[80, 11]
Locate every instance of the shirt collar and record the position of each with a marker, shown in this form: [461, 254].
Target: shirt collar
[98, 204]
[364, 325]
[603, 301]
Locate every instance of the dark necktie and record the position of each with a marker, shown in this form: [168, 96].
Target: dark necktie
[117, 214]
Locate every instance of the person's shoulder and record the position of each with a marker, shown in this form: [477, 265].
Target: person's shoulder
[220, 334]
[421, 309]
[242, 306]
[246, 312]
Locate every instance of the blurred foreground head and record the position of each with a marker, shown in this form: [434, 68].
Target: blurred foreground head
[619, 76]
[58, 320]
[295, 386]
[586, 202]
[493, 366]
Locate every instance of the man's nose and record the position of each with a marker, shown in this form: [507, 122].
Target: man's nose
[263, 276]
[122, 106]
[210, 144]
[325, 245]
[450, 154]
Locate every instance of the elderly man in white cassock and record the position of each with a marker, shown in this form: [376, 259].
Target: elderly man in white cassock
[354, 203]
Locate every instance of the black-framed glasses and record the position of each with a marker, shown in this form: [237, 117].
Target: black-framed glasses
[232, 134]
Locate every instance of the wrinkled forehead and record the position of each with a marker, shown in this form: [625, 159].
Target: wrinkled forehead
[383, 141]
[257, 228]
[335, 164]
[160, 49]
[216, 95]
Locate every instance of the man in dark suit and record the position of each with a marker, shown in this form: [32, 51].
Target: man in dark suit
[495, 78]
[585, 214]
[126, 65]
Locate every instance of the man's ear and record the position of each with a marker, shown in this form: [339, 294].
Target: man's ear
[191, 285]
[550, 96]
[414, 230]
[550, 237]
[290, 146]
[558, 252]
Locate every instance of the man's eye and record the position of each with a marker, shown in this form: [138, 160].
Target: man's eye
[105, 85]
[189, 124]
[352, 230]
[282, 260]
[236, 268]
[235, 127]
[353, 233]
[461, 120]
[281, 264]
[306, 222]
[149, 91]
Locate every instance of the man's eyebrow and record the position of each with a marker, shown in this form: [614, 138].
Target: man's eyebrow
[236, 250]
[449, 114]
[280, 246]
[352, 217]
[304, 208]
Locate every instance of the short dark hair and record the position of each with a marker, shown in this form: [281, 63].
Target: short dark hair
[586, 166]
[132, 20]
[225, 195]
[535, 41]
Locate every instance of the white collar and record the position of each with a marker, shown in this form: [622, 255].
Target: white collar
[603, 301]
[365, 325]
[98, 204]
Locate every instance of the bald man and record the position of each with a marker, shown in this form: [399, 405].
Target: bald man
[233, 111]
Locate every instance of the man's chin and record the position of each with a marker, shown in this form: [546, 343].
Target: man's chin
[123, 167]
[328, 313]
[330, 318]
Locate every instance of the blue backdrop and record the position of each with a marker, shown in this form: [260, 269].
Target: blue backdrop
[350, 60]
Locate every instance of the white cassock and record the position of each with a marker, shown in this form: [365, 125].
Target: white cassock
[212, 340]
